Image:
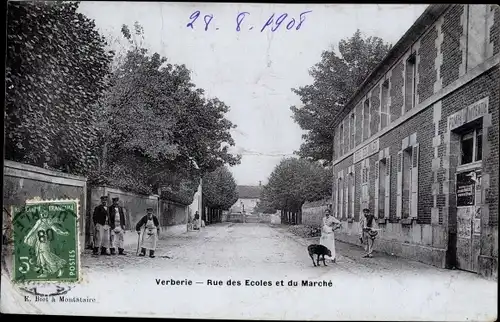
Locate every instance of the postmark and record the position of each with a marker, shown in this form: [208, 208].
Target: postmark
[46, 246]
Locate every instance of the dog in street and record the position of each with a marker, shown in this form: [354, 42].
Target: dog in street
[320, 251]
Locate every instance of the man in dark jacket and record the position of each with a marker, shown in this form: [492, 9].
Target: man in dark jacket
[101, 224]
[117, 225]
[151, 229]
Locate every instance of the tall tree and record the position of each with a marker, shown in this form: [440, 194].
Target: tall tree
[295, 181]
[56, 71]
[335, 80]
[158, 129]
[219, 189]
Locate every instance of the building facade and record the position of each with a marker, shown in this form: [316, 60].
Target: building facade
[418, 143]
[248, 197]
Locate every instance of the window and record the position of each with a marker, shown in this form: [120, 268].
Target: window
[384, 115]
[381, 187]
[340, 192]
[366, 119]
[471, 146]
[352, 128]
[341, 137]
[350, 213]
[410, 83]
[364, 185]
[407, 180]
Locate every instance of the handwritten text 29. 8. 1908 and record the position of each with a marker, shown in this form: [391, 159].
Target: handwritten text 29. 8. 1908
[273, 23]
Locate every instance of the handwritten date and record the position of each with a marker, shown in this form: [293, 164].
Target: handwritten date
[273, 23]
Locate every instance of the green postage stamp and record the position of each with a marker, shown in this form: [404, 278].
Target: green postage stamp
[46, 242]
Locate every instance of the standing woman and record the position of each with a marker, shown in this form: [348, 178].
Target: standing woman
[150, 234]
[330, 224]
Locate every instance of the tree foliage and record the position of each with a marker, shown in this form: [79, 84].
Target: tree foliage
[335, 80]
[295, 181]
[265, 205]
[158, 130]
[55, 72]
[219, 189]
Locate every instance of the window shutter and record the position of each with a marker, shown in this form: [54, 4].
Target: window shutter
[414, 181]
[387, 186]
[353, 192]
[377, 178]
[399, 185]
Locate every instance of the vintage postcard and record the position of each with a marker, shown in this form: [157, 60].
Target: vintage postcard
[251, 160]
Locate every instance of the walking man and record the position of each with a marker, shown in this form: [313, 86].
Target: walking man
[150, 233]
[367, 232]
[101, 224]
[117, 225]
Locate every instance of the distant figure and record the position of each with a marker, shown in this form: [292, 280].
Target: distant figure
[150, 233]
[196, 221]
[117, 225]
[367, 232]
[101, 224]
[330, 224]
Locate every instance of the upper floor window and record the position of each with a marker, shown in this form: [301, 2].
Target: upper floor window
[353, 130]
[366, 119]
[384, 114]
[341, 139]
[471, 146]
[410, 82]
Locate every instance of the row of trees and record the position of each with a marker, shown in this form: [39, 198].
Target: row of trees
[335, 80]
[293, 182]
[130, 119]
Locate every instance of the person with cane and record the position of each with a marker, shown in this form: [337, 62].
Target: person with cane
[150, 233]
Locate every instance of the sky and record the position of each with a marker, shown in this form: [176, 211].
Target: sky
[251, 70]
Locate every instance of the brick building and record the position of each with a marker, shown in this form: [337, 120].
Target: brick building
[418, 143]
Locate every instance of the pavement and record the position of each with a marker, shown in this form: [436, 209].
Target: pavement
[260, 257]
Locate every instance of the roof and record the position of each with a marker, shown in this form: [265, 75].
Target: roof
[249, 192]
[421, 25]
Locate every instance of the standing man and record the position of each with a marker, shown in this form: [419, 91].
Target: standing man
[101, 224]
[117, 224]
[150, 233]
[367, 232]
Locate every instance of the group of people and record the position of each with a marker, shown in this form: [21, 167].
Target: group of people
[367, 232]
[110, 226]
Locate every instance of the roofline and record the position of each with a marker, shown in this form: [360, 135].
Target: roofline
[419, 28]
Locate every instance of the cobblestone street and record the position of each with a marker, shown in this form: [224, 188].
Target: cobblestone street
[396, 288]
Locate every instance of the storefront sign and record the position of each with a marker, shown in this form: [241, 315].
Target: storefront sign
[466, 187]
[364, 152]
[468, 114]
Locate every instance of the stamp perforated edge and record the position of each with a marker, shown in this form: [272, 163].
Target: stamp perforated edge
[38, 200]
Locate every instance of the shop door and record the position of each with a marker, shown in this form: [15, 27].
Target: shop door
[468, 220]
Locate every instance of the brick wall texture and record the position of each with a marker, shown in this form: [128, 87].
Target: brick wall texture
[464, 91]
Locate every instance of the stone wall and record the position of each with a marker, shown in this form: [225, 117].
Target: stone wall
[23, 182]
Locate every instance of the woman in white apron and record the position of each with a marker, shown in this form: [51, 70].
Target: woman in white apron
[330, 224]
[150, 231]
